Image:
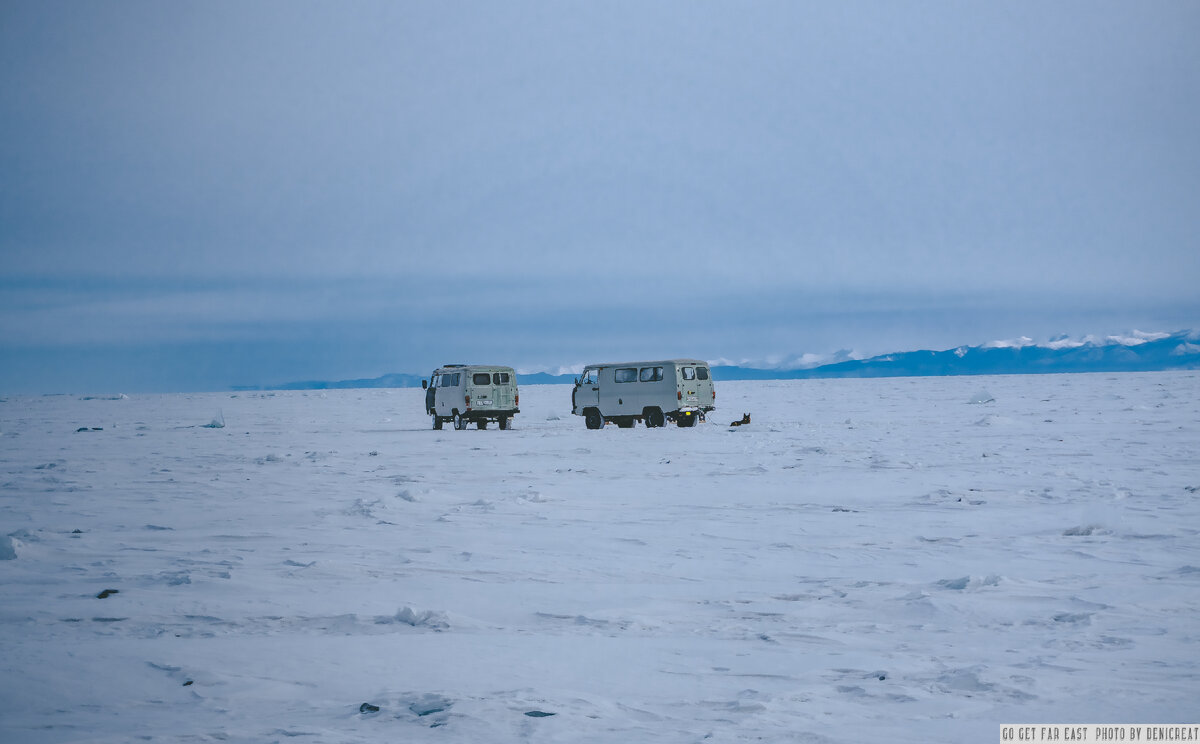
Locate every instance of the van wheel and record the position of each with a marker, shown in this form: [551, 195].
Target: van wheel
[654, 418]
[503, 423]
[625, 422]
[460, 423]
[481, 424]
[685, 422]
[592, 419]
[437, 422]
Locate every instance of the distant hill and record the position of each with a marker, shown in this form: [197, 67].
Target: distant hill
[1138, 353]
[1143, 353]
[396, 380]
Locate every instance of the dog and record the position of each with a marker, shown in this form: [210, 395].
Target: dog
[745, 420]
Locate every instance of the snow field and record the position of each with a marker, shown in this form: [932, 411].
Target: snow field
[869, 559]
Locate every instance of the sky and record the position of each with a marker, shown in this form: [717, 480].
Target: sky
[200, 195]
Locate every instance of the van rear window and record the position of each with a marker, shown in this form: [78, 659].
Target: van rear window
[500, 378]
[624, 374]
[689, 373]
[481, 378]
[701, 373]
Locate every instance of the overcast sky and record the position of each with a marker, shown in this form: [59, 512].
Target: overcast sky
[204, 194]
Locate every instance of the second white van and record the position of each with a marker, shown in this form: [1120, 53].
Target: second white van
[679, 390]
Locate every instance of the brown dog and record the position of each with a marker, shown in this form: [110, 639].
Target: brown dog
[745, 420]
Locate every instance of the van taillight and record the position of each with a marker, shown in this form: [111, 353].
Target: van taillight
[517, 400]
[468, 400]
[714, 395]
[679, 394]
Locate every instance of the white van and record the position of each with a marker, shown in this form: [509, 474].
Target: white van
[462, 393]
[679, 390]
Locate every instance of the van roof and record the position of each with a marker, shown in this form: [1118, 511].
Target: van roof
[687, 362]
[490, 367]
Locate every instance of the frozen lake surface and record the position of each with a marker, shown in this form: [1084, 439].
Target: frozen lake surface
[909, 560]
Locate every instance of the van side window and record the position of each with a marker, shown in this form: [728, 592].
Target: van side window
[500, 378]
[434, 382]
[701, 373]
[625, 374]
[481, 378]
[689, 373]
[651, 374]
[450, 380]
[591, 376]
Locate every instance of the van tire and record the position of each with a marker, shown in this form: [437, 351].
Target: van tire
[460, 423]
[481, 424]
[592, 419]
[685, 422]
[503, 423]
[437, 422]
[625, 422]
[654, 418]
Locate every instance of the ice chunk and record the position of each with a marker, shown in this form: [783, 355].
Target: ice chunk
[425, 619]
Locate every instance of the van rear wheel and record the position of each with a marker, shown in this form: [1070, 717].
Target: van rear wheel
[654, 418]
[481, 424]
[460, 423]
[503, 423]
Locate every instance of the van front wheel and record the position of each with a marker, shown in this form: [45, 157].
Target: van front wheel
[437, 422]
[592, 419]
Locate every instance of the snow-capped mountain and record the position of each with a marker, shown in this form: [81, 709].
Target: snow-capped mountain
[1133, 352]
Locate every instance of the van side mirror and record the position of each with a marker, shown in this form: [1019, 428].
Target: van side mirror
[424, 384]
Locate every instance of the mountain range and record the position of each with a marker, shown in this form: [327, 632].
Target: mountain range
[1139, 352]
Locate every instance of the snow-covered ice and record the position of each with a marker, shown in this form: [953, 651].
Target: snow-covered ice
[892, 559]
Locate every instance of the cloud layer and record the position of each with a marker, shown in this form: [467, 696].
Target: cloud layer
[791, 175]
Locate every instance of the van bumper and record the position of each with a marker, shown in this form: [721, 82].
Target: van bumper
[489, 414]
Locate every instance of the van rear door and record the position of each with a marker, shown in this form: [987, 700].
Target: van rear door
[704, 387]
[480, 390]
[695, 386]
[503, 385]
